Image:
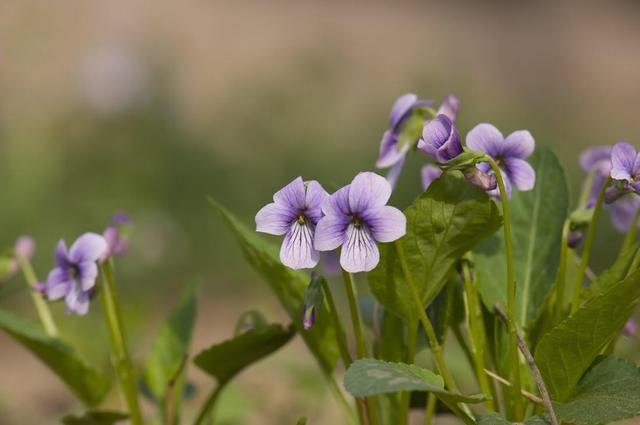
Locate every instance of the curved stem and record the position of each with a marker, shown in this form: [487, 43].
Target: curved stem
[207, 408]
[562, 271]
[41, 305]
[631, 234]
[584, 262]
[474, 317]
[436, 349]
[361, 344]
[518, 405]
[115, 323]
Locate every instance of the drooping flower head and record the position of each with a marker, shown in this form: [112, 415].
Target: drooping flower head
[509, 153]
[390, 152]
[625, 165]
[429, 173]
[294, 212]
[356, 217]
[74, 276]
[440, 139]
[117, 236]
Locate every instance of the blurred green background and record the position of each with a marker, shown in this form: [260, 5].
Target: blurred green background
[148, 107]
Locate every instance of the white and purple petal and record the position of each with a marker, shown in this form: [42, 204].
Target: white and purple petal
[292, 196]
[88, 247]
[598, 159]
[314, 198]
[428, 174]
[58, 284]
[331, 232]
[275, 219]
[401, 108]
[519, 144]
[338, 202]
[297, 251]
[520, 173]
[485, 138]
[87, 274]
[623, 210]
[394, 173]
[77, 301]
[389, 153]
[623, 158]
[368, 190]
[450, 107]
[387, 224]
[61, 254]
[359, 252]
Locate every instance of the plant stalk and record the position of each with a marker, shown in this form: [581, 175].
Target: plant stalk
[631, 234]
[207, 408]
[115, 323]
[561, 282]
[38, 300]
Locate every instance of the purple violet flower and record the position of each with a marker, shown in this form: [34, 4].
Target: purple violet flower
[356, 217]
[74, 276]
[294, 212]
[440, 139]
[25, 247]
[509, 153]
[450, 107]
[429, 173]
[630, 328]
[116, 235]
[625, 165]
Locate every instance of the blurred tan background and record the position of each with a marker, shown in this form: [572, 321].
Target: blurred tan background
[148, 107]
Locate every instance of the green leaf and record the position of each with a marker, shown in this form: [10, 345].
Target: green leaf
[86, 383]
[170, 349]
[370, 377]
[537, 218]
[224, 360]
[609, 391]
[95, 417]
[289, 287]
[302, 421]
[442, 224]
[614, 274]
[464, 161]
[566, 352]
[497, 419]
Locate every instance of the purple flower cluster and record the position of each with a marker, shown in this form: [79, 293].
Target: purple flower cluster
[620, 162]
[354, 218]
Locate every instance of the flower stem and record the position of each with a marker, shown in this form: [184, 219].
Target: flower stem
[518, 405]
[361, 344]
[41, 305]
[207, 408]
[123, 364]
[430, 408]
[631, 234]
[584, 261]
[436, 349]
[478, 342]
[562, 271]
[412, 342]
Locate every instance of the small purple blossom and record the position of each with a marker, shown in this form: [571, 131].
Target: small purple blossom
[116, 235]
[390, 153]
[450, 107]
[24, 247]
[295, 212]
[509, 153]
[429, 173]
[356, 217]
[625, 165]
[630, 328]
[596, 160]
[440, 139]
[74, 276]
[308, 317]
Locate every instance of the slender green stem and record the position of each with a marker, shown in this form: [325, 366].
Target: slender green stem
[115, 323]
[561, 283]
[631, 234]
[586, 190]
[41, 305]
[430, 408]
[518, 406]
[436, 349]
[341, 337]
[361, 344]
[478, 344]
[584, 261]
[206, 411]
[412, 342]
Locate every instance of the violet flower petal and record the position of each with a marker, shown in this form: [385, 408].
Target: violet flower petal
[386, 224]
[450, 107]
[485, 138]
[519, 144]
[520, 173]
[359, 252]
[394, 173]
[87, 274]
[292, 196]
[338, 202]
[368, 190]
[622, 212]
[297, 251]
[623, 157]
[401, 107]
[389, 152]
[274, 219]
[330, 232]
[61, 254]
[597, 158]
[314, 197]
[429, 173]
[87, 248]
[77, 302]
[58, 284]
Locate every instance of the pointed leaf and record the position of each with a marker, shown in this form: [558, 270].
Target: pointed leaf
[537, 218]
[369, 377]
[86, 383]
[289, 287]
[170, 349]
[442, 224]
[566, 352]
[224, 360]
